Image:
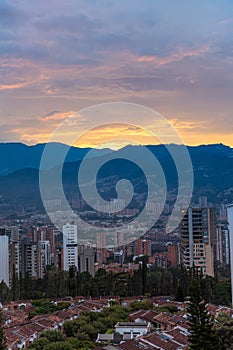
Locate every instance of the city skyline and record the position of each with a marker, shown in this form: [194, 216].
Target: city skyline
[60, 57]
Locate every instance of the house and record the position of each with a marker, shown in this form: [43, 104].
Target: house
[161, 321]
[114, 338]
[177, 339]
[135, 329]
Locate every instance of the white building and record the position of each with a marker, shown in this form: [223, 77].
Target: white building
[70, 246]
[230, 223]
[223, 247]
[4, 253]
[134, 329]
[44, 257]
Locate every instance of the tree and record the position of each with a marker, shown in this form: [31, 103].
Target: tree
[47, 339]
[2, 335]
[4, 291]
[201, 325]
[14, 285]
[224, 331]
[179, 293]
[53, 336]
[222, 293]
[144, 275]
[137, 282]
[72, 282]
[64, 345]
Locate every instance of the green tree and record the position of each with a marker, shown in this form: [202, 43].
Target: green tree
[137, 282]
[14, 285]
[4, 292]
[53, 336]
[224, 332]
[179, 293]
[72, 282]
[144, 275]
[184, 280]
[85, 283]
[46, 339]
[140, 305]
[64, 345]
[208, 285]
[222, 293]
[121, 284]
[2, 335]
[201, 325]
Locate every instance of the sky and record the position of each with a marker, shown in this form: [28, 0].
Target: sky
[58, 57]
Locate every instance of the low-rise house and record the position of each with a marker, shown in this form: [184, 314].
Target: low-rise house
[176, 339]
[134, 329]
[161, 321]
[114, 338]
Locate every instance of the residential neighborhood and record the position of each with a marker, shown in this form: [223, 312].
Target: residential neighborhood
[148, 329]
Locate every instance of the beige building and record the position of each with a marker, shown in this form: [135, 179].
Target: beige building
[87, 259]
[198, 239]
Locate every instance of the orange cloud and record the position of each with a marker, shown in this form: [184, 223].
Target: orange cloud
[115, 136]
[57, 115]
[178, 56]
[146, 59]
[13, 86]
[178, 124]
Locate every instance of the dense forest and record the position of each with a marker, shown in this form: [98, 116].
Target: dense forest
[172, 282]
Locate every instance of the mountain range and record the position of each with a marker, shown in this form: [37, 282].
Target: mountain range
[19, 171]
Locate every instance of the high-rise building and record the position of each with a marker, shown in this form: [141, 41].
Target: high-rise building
[101, 247]
[119, 256]
[198, 239]
[70, 246]
[44, 233]
[142, 247]
[11, 231]
[230, 223]
[202, 202]
[4, 253]
[87, 259]
[43, 257]
[172, 254]
[59, 256]
[14, 260]
[28, 258]
[223, 246]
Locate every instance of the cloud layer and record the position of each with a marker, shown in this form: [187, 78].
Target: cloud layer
[58, 57]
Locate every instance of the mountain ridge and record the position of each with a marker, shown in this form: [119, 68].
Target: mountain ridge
[212, 167]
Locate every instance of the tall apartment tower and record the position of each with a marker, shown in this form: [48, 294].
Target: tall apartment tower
[171, 254]
[87, 259]
[142, 247]
[70, 246]
[230, 223]
[43, 257]
[4, 253]
[198, 239]
[101, 247]
[11, 231]
[15, 260]
[28, 258]
[223, 245]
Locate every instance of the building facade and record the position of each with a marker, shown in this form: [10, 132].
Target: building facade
[44, 257]
[4, 253]
[230, 223]
[87, 259]
[223, 245]
[198, 239]
[70, 246]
